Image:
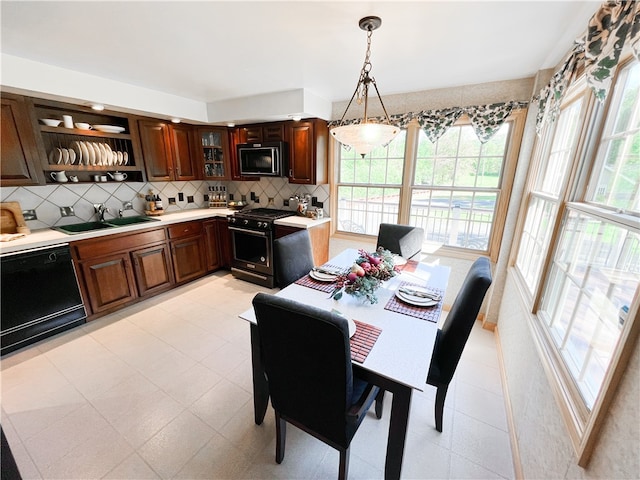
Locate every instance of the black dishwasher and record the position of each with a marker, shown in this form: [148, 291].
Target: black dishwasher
[40, 296]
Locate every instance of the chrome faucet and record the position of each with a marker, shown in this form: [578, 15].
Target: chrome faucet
[100, 209]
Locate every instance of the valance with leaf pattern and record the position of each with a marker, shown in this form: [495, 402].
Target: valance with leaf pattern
[598, 51]
[485, 119]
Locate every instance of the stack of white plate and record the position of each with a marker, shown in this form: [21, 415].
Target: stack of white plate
[88, 153]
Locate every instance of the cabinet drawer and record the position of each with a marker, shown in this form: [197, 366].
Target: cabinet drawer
[98, 247]
[186, 229]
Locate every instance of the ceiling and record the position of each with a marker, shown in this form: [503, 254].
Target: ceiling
[213, 51]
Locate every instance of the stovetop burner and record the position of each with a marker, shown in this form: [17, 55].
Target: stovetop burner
[264, 213]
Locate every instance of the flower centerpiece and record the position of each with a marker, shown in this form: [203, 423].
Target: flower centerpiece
[365, 275]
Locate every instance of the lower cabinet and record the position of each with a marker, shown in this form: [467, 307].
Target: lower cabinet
[212, 243]
[119, 269]
[109, 281]
[187, 255]
[319, 235]
[187, 250]
[225, 246]
[152, 267]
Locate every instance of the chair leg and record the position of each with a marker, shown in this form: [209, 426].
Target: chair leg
[344, 464]
[441, 394]
[379, 403]
[281, 437]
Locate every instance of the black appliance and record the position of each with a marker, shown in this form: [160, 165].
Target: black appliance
[40, 296]
[252, 233]
[267, 159]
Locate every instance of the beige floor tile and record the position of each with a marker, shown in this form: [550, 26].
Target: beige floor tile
[461, 468]
[173, 446]
[481, 404]
[220, 404]
[191, 384]
[482, 444]
[133, 467]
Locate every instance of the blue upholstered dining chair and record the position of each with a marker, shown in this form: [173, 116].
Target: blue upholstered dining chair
[307, 360]
[451, 339]
[293, 257]
[404, 240]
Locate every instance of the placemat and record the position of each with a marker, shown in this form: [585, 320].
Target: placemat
[410, 266]
[431, 314]
[363, 340]
[327, 287]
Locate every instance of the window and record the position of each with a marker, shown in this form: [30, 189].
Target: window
[456, 186]
[453, 188]
[581, 229]
[369, 188]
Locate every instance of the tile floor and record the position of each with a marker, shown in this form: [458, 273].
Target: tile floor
[162, 389]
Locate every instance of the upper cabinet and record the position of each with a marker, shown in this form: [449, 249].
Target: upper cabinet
[262, 132]
[87, 145]
[18, 156]
[308, 140]
[308, 145]
[167, 150]
[213, 149]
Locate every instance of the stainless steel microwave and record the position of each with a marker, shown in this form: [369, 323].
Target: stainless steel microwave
[267, 159]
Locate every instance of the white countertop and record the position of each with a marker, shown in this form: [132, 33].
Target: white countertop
[47, 236]
[301, 222]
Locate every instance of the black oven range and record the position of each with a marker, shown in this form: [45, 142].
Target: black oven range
[252, 234]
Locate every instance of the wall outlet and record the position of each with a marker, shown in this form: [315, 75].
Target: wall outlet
[319, 204]
[67, 212]
[243, 198]
[314, 201]
[172, 200]
[29, 215]
[285, 203]
[181, 197]
[190, 199]
[256, 199]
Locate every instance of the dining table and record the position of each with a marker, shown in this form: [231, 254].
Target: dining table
[392, 344]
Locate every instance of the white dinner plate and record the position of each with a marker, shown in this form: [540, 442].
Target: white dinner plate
[322, 277]
[350, 322]
[418, 301]
[109, 128]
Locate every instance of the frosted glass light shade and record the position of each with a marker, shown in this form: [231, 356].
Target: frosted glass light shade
[364, 137]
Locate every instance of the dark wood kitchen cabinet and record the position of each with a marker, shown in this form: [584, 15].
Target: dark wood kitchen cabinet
[212, 244]
[19, 156]
[187, 250]
[308, 145]
[225, 245]
[213, 150]
[152, 267]
[109, 281]
[117, 269]
[167, 150]
[263, 132]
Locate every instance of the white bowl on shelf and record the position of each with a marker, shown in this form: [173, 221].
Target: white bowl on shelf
[51, 122]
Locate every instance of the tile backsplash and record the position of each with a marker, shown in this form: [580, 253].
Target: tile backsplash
[47, 200]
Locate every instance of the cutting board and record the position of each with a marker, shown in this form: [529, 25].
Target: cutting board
[11, 219]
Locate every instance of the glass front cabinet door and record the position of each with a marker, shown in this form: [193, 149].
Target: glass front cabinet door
[214, 147]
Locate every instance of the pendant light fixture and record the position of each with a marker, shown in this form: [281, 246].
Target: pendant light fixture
[365, 135]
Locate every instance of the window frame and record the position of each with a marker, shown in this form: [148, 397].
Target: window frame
[516, 119]
[583, 424]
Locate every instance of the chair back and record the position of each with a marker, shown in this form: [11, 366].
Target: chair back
[453, 336]
[404, 240]
[293, 257]
[307, 360]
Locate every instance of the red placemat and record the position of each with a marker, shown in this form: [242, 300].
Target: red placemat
[431, 314]
[327, 287]
[410, 266]
[363, 340]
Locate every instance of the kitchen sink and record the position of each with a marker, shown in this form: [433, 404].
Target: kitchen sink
[111, 223]
[131, 220]
[82, 227]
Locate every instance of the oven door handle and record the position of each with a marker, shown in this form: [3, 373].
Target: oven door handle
[251, 232]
